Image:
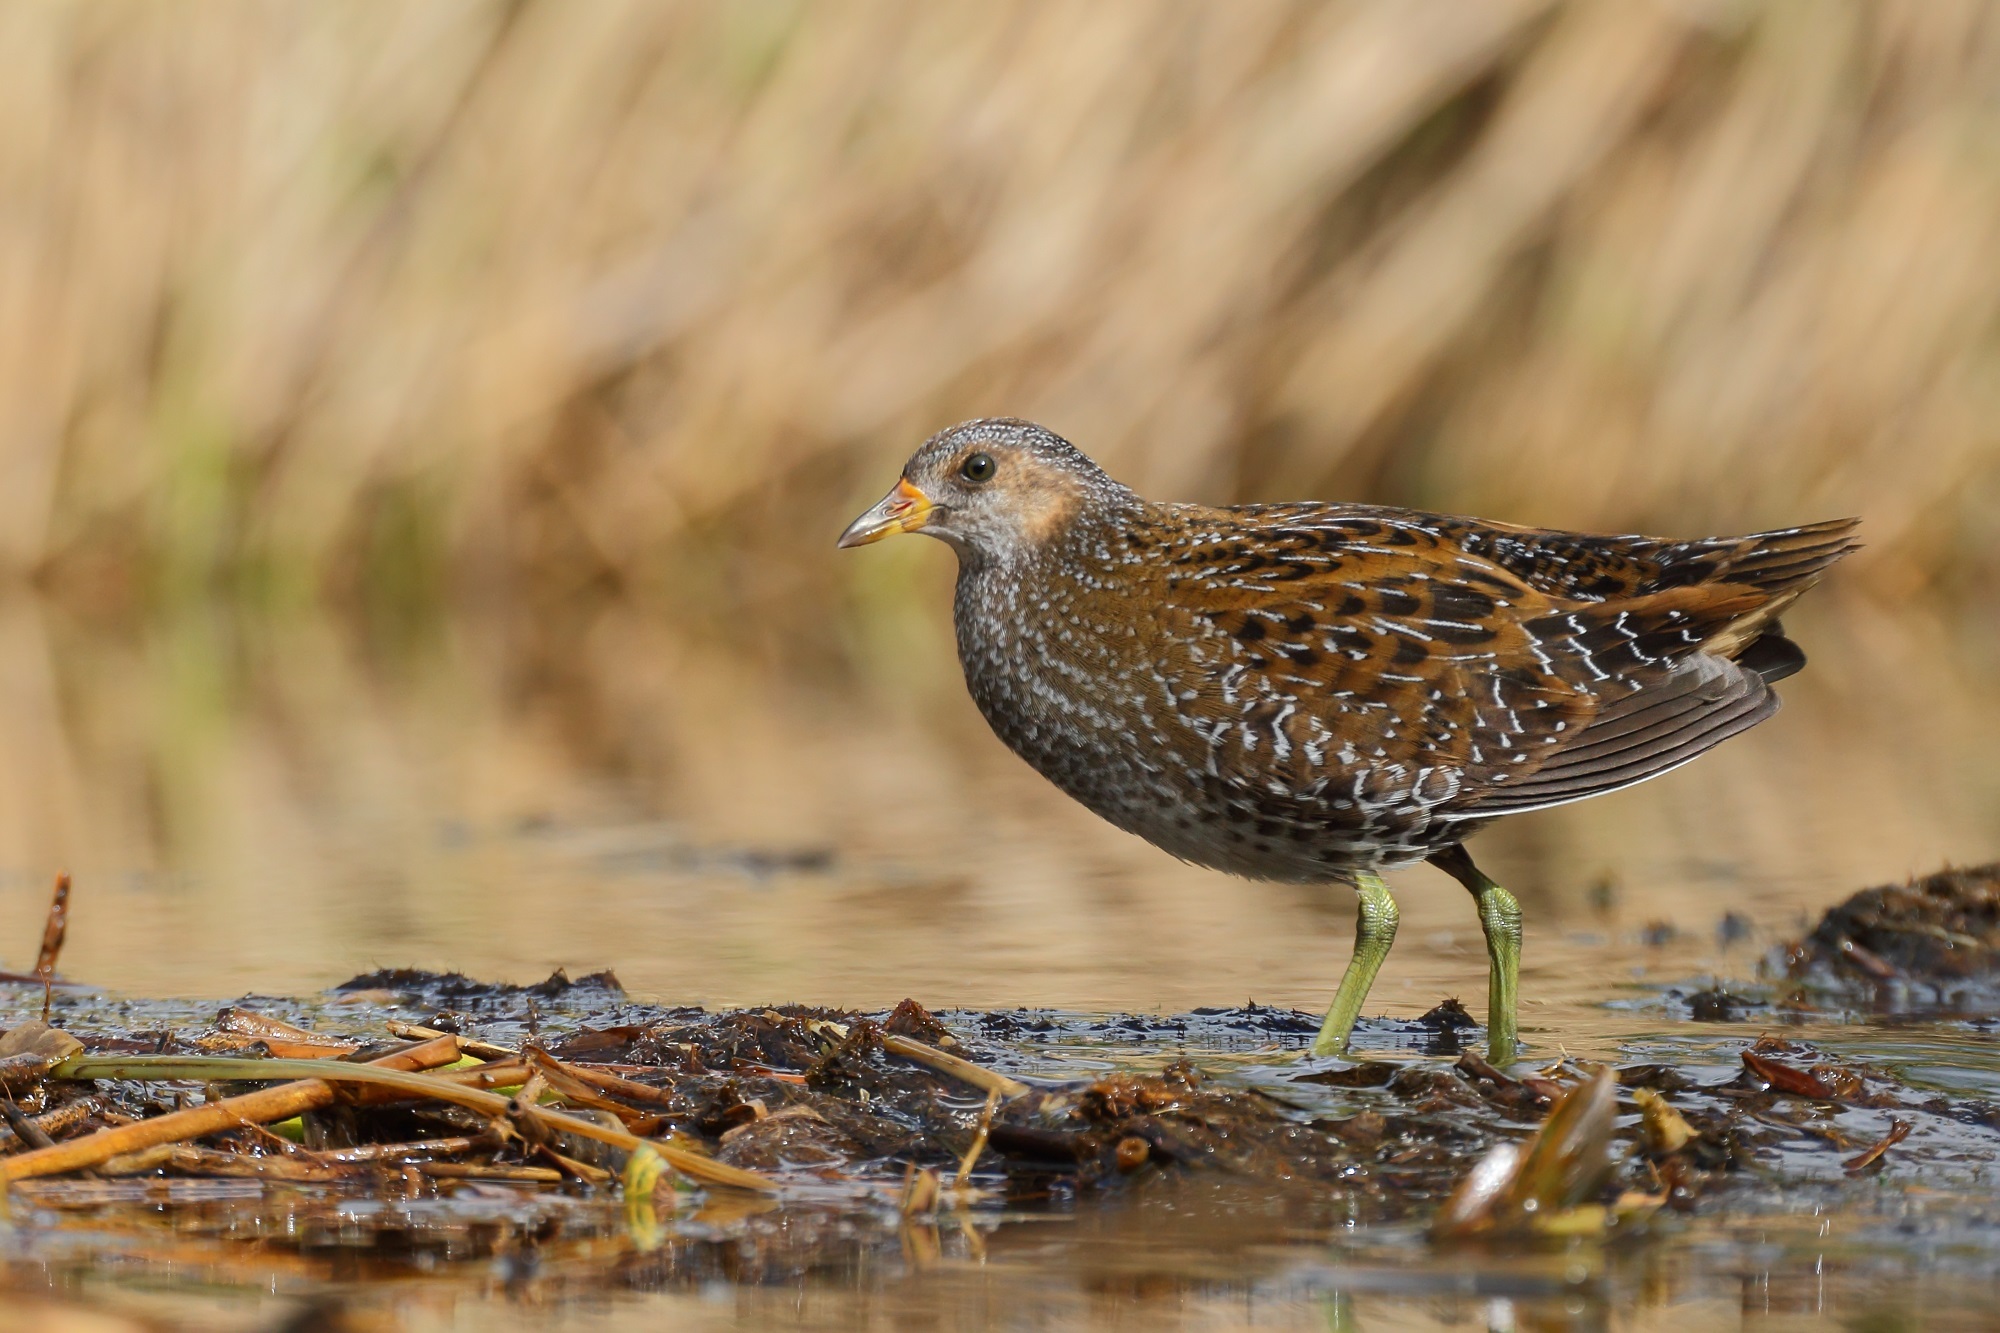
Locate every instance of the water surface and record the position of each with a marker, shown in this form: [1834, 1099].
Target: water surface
[727, 815]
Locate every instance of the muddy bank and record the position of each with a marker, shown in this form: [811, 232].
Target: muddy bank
[915, 1111]
[1932, 942]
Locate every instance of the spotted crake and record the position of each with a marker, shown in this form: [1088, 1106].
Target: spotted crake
[1322, 692]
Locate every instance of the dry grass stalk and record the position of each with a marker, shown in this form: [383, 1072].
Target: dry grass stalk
[623, 1087]
[1566, 261]
[512, 1175]
[53, 932]
[448, 1146]
[500, 1074]
[196, 1160]
[979, 1137]
[577, 1092]
[472, 1046]
[931, 1057]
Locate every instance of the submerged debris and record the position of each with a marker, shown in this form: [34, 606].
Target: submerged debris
[1898, 1131]
[1718, 1004]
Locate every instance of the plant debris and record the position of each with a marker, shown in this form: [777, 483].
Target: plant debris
[1898, 1131]
[911, 1109]
[1548, 1184]
[1938, 936]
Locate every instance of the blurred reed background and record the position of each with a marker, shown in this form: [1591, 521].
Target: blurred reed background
[436, 416]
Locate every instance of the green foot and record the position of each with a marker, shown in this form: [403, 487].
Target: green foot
[1374, 932]
[1500, 918]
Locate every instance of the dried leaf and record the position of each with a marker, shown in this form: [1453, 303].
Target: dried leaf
[1537, 1186]
[1783, 1078]
[38, 1038]
[29, 1051]
[1665, 1129]
[1473, 1206]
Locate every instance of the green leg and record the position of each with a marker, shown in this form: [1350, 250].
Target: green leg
[1374, 932]
[1500, 918]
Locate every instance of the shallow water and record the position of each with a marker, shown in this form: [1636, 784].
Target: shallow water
[1794, 1241]
[273, 806]
[279, 804]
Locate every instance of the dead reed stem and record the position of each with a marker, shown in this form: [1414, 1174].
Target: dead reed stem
[294, 1098]
[260, 1107]
[931, 1057]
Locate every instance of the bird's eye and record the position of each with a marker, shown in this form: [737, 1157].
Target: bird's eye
[977, 467]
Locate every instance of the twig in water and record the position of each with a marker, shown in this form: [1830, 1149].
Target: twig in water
[265, 1105]
[53, 931]
[24, 1129]
[920, 1191]
[930, 1056]
[282, 1039]
[1898, 1131]
[971, 1158]
[54, 1122]
[79, 1152]
[630, 1089]
[419, 1148]
[584, 1171]
[209, 1162]
[473, 1046]
[527, 1175]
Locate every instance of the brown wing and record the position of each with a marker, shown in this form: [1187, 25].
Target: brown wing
[1392, 645]
[1695, 708]
[1715, 691]
[1584, 567]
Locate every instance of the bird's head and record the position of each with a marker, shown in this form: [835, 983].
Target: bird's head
[995, 490]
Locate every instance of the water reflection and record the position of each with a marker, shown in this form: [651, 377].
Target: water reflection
[1200, 1254]
[276, 803]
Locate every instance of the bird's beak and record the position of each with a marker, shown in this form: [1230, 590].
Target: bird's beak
[904, 509]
